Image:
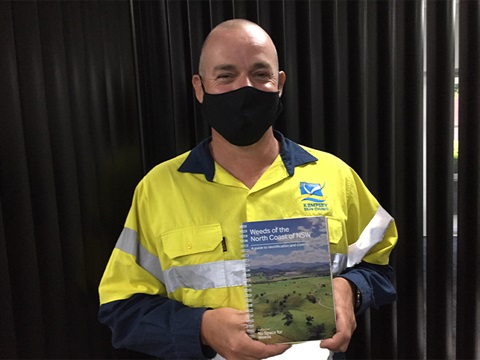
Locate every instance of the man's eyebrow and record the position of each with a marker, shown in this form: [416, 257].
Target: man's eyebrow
[261, 65]
[225, 67]
[231, 67]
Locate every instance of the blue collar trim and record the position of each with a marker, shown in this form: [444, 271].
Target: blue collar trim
[200, 161]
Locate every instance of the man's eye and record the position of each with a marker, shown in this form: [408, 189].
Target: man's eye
[224, 76]
[262, 75]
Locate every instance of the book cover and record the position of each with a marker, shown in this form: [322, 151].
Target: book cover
[289, 284]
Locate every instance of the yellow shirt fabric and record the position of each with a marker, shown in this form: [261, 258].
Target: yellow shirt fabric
[182, 236]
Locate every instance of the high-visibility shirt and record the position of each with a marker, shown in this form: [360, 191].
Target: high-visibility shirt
[182, 237]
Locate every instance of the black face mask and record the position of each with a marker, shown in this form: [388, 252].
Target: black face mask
[241, 116]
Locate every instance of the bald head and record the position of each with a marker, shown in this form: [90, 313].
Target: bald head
[237, 53]
[235, 28]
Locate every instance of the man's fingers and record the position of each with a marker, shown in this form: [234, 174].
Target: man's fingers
[337, 343]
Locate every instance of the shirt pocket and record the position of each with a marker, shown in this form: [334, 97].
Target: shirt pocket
[192, 246]
[337, 236]
[194, 267]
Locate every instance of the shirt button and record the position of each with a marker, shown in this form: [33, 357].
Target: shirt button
[189, 245]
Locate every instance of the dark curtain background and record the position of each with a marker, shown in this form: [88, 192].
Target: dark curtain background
[468, 295]
[94, 93]
[70, 155]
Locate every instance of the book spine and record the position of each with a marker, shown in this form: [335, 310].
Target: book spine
[250, 327]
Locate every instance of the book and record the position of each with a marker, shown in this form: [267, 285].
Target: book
[289, 289]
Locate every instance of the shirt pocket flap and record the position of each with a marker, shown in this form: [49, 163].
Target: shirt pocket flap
[336, 235]
[192, 240]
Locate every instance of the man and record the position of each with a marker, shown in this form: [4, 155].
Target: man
[173, 287]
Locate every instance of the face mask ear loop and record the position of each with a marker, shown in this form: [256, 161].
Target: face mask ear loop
[201, 84]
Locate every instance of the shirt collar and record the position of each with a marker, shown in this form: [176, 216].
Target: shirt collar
[200, 161]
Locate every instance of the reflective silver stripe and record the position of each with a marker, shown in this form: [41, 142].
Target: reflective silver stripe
[370, 236]
[338, 263]
[128, 242]
[205, 276]
[198, 277]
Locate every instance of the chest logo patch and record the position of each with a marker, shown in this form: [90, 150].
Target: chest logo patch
[312, 197]
[313, 192]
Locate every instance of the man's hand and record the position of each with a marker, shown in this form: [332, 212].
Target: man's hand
[224, 330]
[345, 315]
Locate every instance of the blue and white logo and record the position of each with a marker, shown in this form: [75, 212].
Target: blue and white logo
[313, 191]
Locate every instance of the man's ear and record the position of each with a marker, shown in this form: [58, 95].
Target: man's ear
[281, 81]
[197, 85]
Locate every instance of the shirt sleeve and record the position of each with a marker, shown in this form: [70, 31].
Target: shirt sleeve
[374, 283]
[156, 326]
[134, 302]
[373, 234]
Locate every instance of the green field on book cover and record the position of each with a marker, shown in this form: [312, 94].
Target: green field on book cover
[289, 284]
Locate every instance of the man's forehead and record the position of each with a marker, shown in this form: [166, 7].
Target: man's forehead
[227, 44]
[233, 39]
[259, 52]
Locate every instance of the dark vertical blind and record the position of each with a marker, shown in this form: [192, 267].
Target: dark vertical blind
[410, 261]
[440, 96]
[95, 93]
[468, 295]
[70, 156]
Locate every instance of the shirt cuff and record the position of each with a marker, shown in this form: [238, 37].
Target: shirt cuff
[363, 287]
[188, 341]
